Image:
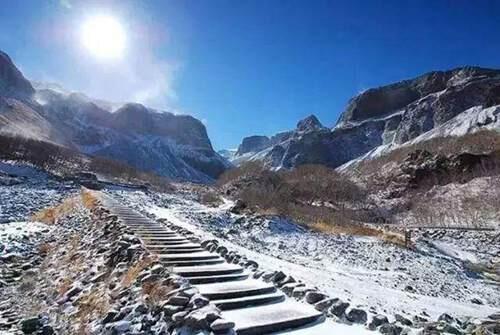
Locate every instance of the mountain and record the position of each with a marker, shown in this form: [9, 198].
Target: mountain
[455, 102]
[176, 146]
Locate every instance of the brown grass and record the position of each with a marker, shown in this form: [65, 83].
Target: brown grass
[52, 214]
[359, 230]
[93, 305]
[133, 271]
[156, 292]
[45, 248]
[89, 200]
[64, 285]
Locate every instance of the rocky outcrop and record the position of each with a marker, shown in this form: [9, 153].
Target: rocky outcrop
[12, 81]
[175, 146]
[389, 115]
[253, 144]
[310, 123]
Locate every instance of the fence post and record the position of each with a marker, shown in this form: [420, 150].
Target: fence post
[407, 238]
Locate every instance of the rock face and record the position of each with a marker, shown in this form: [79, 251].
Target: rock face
[390, 115]
[253, 144]
[12, 81]
[176, 146]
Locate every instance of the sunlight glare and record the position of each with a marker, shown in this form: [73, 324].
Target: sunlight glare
[104, 37]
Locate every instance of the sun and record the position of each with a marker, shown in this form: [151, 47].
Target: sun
[104, 37]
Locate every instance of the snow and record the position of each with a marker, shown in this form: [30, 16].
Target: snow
[454, 252]
[360, 270]
[14, 234]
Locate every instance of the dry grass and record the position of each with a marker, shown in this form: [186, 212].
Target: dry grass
[133, 272]
[64, 285]
[52, 214]
[89, 200]
[93, 305]
[356, 229]
[156, 292]
[45, 248]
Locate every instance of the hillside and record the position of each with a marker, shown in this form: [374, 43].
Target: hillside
[454, 102]
[174, 146]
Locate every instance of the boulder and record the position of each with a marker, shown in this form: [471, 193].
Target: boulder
[338, 308]
[357, 315]
[377, 321]
[313, 297]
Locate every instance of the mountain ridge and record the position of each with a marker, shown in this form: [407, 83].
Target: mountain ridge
[175, 146]
[390, 115]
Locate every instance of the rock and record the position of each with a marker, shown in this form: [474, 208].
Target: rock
[377, 321]
[419, 319]
[313, 297]
[238, 207]
[8, 258]
[338, 308]
[178, 300]
[324, 304]
[278, 276]
[221, 250]
[494, 316]
[110, 316]
[403, 320]
[476, 301]
[47, 330]
[445, 318]
[288, 288]
[357, 315]
[179, 316]
[222, 325]
[141, 309]
[390, 329]
[157, 269]
[30, 325]
[171, 310]
[300, 292]
[74, 290]
[203, 317]
[120, 327]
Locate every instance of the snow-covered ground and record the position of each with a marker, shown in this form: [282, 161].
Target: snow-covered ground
[364, 271]
[24, 190]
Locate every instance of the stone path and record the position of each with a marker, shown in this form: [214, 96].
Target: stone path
[256, 307]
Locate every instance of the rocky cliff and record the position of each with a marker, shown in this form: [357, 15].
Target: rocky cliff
[176, 146]
[387, 116]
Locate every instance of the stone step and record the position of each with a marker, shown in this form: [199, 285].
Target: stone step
[150, 231]
[189, 257]
[146, 235]
[236, 289]
[254, 300]
[218, 279]
[173, 247]
[193, 263]
[165, 243]
[175, 251]
[272, 318]
[164, 238]
[207, 270]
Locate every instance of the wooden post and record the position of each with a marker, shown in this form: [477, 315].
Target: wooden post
[407, 238]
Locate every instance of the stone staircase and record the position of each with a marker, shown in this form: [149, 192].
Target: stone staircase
[256, 307]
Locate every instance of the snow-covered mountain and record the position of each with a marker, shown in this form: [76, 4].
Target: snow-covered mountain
[386, 117]
[175, 146]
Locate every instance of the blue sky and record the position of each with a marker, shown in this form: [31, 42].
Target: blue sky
[249, 67]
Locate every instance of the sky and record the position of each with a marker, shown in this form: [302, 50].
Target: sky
[247, 67]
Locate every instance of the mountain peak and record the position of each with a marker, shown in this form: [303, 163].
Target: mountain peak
[309, 123]
[12, 81]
